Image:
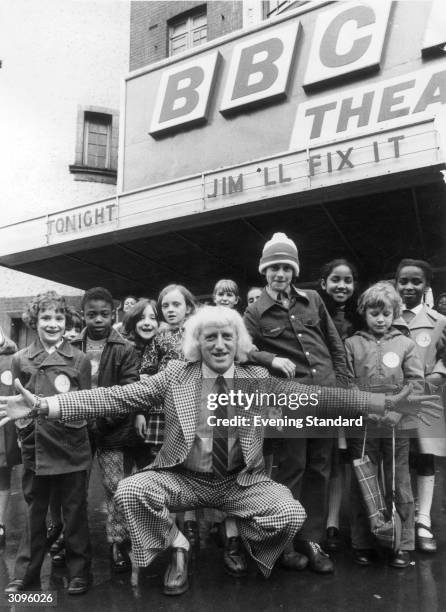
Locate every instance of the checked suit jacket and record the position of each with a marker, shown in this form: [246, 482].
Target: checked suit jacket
[179, 388]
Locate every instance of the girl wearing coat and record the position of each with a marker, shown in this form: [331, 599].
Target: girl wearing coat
[428, 329]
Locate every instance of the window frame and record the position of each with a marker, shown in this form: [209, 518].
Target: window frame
[188, 20]
[81, 168]
[99, 118]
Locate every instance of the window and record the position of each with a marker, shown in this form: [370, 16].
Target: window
[96, 156]
[97, 140]
[188, 31]
[274, 7]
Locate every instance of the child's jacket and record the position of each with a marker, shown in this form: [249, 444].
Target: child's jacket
[384, 364]
[118, 366]
[52, 447]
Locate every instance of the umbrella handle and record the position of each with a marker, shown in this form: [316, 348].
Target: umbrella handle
[363, 442]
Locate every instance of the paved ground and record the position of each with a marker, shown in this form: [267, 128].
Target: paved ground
[422, 586]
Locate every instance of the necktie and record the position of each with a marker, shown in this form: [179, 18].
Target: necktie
[408, 315]
[220, 453]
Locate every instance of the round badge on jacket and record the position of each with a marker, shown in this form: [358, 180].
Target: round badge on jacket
[62, 383]
[391, 359]
[423, 339]
[6, 377]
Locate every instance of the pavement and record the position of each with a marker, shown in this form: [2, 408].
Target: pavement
[420, 587]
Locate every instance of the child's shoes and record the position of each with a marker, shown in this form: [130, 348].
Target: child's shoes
[400, 559]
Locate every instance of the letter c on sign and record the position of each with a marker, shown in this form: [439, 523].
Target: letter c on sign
[347, 39]
[363, 16]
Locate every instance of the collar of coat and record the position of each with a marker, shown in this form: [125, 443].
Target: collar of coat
[426, 318]
[391, 333]
[114, 337]
[64, 350]
[265, 301]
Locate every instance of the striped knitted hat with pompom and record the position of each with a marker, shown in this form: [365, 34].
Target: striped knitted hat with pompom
[280, 249]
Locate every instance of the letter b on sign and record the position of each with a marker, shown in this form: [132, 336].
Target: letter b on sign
[260, 68]
[183, 94]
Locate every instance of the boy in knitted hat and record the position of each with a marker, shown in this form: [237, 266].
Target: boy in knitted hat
[296, 336]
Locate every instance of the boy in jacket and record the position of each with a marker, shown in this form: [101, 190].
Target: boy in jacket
[113, 361]
[54, 454]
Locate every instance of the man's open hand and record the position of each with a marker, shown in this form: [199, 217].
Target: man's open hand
[15, 407]
[423, 407]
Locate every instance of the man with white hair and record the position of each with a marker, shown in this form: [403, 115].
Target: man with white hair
[202, 463]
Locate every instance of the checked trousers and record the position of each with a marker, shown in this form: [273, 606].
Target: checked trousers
[267, 516]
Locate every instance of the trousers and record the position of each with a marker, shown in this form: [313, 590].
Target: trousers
[266, 514]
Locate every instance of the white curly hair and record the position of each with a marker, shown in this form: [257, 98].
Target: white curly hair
[215, 315]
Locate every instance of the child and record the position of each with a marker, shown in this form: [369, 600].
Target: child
[226, 293]
[441, 304]
[382, 359]
[140, 327]
[76, 326]
[338, 279]
[295, 335]
[55, 538]
[9, 450]
[113, 361]
[54, 454]
[253, 295]
[428, 329]
[176, 303]
[126, 305]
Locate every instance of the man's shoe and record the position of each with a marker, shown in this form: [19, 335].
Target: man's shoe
[120, 561]
[400, 559]
[191, 532]
[427, 545]
[78, 585]
[52, 533]
[318, 560]
[17, 585]
[333, 541]
[363, 556]
[176, 578]
[293, 560]
[58, 559]
[234, 558]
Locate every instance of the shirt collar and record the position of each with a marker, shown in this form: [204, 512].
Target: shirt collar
[416, 310]
[292, 290]
[208, 373]
[273, 294]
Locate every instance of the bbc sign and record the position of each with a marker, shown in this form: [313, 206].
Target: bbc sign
[348, 39]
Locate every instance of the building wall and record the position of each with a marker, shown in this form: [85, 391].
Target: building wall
[149, 26]
[56, 57]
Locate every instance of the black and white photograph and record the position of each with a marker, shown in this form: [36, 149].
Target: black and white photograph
[223, 305]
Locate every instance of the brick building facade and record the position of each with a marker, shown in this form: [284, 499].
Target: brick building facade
[149, 26]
